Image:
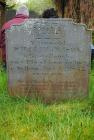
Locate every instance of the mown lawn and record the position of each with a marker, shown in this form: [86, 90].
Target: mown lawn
[25, 119]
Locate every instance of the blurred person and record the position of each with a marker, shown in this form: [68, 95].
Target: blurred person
[22, 14]
[92, 52]
[50, 13]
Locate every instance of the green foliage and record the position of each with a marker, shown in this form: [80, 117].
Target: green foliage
[39, 6]
[10, 4]
[26, 119]
[91, 85]
[34, 5]
[3, 81]
[93, 37]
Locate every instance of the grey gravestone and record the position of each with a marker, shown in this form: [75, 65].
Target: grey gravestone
[49, 59]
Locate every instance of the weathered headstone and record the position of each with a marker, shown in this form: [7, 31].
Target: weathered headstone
[49, 59]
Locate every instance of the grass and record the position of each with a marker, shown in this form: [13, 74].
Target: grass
[25, 119]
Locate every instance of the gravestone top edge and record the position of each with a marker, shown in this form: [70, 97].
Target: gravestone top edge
[70, 20]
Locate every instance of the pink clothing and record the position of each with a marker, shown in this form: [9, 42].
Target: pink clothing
[17, 20]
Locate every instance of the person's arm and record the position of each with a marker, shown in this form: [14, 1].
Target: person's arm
[0, 46]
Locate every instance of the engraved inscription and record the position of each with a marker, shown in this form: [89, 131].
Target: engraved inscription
[50, 58]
